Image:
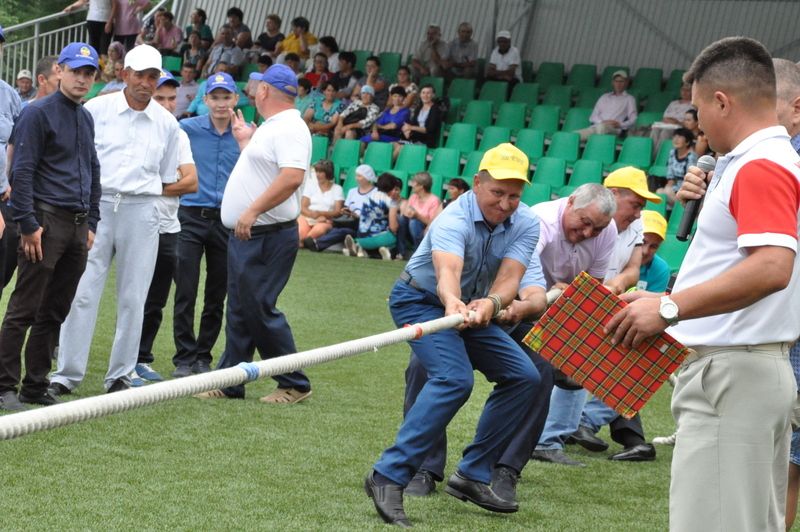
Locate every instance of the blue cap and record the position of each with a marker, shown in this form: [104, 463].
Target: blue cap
[367, 89]
[167, 77]
[281, 77]
[78, 54]
[220, 80]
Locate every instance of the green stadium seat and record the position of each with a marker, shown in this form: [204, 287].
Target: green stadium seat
[605, 77]
[527, 93]
[646, 118]
[564, 191]
[390, 62]
[660, 208]
[546, 118]
[577, 118]
[586, 171]
[437, 184]
[494, 135]
[582, 76]
[248, 69]
[349, 181]
[411, 158]
[478, 112]
[588, 96]
[379, 156]
[636, 151]
[658, 102]
[345, 156]
[601, 148]
[551, 171]
[675, 81]
[659, 167]
[445, 162]
[536, 193]
[462, 137]
[647, 81]
[564, 145]
[463, 89]
[96, 88]
[436, 82]
[319, 147]
[453, 112]
[512, 116]
[248, 112]
[549, 73]
[531, 143]
[527, 71]
[361, 59]
[241, 85]
[673, 251]
[560, 96]
[495, 92]
[675, 218]
[171, 63]
[471, 166]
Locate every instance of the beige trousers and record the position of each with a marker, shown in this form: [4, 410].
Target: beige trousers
[731, 459]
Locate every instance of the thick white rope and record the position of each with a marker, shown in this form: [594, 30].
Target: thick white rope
[22, 423]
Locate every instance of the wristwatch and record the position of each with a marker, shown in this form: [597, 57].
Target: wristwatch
[668, 310]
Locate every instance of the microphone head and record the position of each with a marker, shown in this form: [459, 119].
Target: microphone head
[706, 163]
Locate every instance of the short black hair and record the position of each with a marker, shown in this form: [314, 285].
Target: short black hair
[302, 23]
[397, 89]
[375, 59]
[202, 14]
[692, 111]
[685, 133]
[291, 56]
[265, 59]
[350, 57]
[459, 183]
[386, 182]
[324, 85]
[235, 12]
[45, 65]
[330, 43]
[303, 82]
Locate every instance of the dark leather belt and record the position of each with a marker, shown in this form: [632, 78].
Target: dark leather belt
[205, 212]
[77, 218]
[406, 278]
[257, 230]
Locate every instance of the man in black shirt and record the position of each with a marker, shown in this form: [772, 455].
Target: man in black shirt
[55, 200]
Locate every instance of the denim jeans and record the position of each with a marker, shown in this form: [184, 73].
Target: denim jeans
[562, 420]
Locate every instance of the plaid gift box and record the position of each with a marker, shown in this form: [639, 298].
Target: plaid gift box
[570, 335]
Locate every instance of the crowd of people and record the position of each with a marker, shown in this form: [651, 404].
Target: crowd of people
[166, 172]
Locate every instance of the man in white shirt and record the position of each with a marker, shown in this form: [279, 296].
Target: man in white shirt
[505, 63]
[137, 145]
[614, 112]
[260, 205]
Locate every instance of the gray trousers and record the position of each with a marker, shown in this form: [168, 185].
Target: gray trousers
[731, 458]
[128, 230]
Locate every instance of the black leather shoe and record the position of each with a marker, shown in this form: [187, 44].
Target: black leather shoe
[422, 485]
[57, 389]
[201, 366]
[478, 493]
[117, 386]
[555, 456]
[10, 402]
[388, 501]
[586, 439]
[643, 452]
[504, 483]
[182, 371]
[45, 398]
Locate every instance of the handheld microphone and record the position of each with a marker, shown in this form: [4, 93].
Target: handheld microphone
[706, 163]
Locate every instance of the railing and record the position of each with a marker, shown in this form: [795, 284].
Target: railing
[25, 50]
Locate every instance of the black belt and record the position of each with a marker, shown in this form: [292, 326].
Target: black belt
[204, 212]
[271, 228]
[406, 278]
[77, 218]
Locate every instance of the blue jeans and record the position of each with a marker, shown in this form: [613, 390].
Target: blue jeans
[409, 230]
[258, 270]
[596, 414]
[562, 420]
[449, 358]
[334, 236]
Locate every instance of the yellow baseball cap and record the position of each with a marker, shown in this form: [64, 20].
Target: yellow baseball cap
[654, 223]
[506, 161]
[633, 179]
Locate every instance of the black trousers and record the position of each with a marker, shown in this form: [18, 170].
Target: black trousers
[41, 301]
[8, 247]
[98, 38]
[158, 294]
[202, 233]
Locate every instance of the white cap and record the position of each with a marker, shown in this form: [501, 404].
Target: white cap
[24, 73]
[366, 172]
[143, 57]
[503, 34]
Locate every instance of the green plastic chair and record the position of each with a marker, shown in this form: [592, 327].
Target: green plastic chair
[673, 251]
[636, 151]
[586, 171]
[248, 69]
[552, 171]
[531, 143]
[437, 184]
[445, 162]
[527, 71]
[588, 96]
[411, 158]
[453, 112]
[560, 96]
[478, 112]
[512, 116]
[390, 62]
[436, 82]
[648, 81]
[494, 135]
[605, 77]
[171, 63]
[658, 102]
[96, 88]
[646, 118]
[319, 147]
[471, 166]
[582, 76]
[674, 220]
[546, 118]
[349, 181]
[527, 93]
[675, 81]
[564, 145]
[345, 156]
[495, 92]
[361, 59]
[659, 168]
[379, 156]
[577, 118]
[462, 137]
[248, 112]
[536, 193]
[600, 148]
[549, 73]
[463, 89]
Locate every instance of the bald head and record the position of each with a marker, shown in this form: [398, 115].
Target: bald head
[787, 75]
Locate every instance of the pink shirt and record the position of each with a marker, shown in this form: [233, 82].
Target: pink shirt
[427, 208]
[169, 39]
[127, 20]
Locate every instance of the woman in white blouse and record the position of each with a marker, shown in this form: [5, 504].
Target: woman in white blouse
[322, 202]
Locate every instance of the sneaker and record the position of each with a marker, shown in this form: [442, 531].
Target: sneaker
[385, 253]
[56, 389]
[182, 370]
[146, 372]
[360, 252]
[666, 440]
[136, 380]
[201, 366]
[310, 244]
[349, 249]
[10, 402]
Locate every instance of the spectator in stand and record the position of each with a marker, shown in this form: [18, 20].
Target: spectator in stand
[614, 112]
[346, 78]
[299, 41]
[462, 54]
[305, 99]
[374, 79]
[235, 18]
[124, 21]
[96, 18]
[358, 117]
[263, 63]
[25, 88]
[654, 273]
[194, 54]
[505, 63]
[148, 31]
[117, 84]
[430, 58]
[691, 123]
[404, 80]
[224, 50]
[323, 115]
[322, 202]
[681, 157]
[292, 60]
[197, 22]
[319, 72]
[116, 52]
[270, 38]
[187, 90]
[416, 214]
[249, 49]
[377, 224]
[425, 123]
[455, 188]
[387, 128]
[673, 117]
[168, 36]
[329, 47]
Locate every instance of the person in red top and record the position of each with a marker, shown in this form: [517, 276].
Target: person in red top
[734, 302]
[320, 71]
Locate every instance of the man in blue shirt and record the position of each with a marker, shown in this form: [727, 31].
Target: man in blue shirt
[654, 273]
[215, 152]
[56, 177]
[471, 260]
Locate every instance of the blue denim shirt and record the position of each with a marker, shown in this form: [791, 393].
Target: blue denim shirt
[10, 107]
[214, 156]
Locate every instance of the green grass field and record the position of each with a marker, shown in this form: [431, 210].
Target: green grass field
[243, 465]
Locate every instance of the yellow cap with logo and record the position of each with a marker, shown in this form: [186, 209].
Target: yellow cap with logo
[654, 223]
[506, 161]
[634, 180]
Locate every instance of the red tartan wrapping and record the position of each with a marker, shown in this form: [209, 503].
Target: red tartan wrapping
[570, 335]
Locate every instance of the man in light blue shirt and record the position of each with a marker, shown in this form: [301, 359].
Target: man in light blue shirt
[471, 260]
